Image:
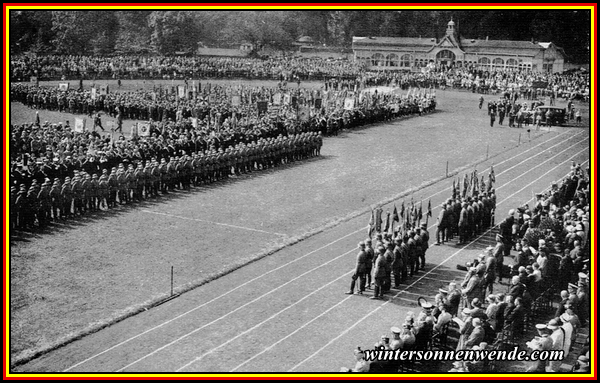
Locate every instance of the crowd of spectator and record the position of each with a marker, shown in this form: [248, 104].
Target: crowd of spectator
[530, 84]
[550, 246]
[178, 67]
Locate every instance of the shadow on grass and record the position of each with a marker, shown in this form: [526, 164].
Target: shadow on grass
[61, 226]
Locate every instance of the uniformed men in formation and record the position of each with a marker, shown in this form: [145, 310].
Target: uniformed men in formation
[391, 262]
[465, 217]
[36, 204]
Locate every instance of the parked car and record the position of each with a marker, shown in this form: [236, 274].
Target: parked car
[558, 115]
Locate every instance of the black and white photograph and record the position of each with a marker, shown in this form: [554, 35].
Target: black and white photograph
[333, 191]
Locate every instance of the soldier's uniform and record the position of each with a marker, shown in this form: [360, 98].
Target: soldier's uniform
[424, 234]
[55, 199]
[370, 259]
[77, 191]
[418, 251]
[389, 257]
[139, 177]
[397, 263]
[148, 180]
[412, 253]
[405, 253]
[131, 182]
[463, 223]
[103, 190]
[43, 199]
[86, 187]
[164, 176]
[122, 184]
[94, 193]
[360, 270]
[379, 273]
[67, 199]
[113, 186]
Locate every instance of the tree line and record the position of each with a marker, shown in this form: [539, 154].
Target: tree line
[105, 32]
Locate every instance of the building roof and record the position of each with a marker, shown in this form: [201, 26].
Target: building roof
[305, 39]
[501, 47]
[394, 41]
[222, 52]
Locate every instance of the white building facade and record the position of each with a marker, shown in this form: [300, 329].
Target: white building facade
[409, 53]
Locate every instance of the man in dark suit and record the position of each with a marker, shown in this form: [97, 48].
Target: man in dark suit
[360, 270]
[477, 335]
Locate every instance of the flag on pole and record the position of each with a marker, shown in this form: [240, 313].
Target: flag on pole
[79, 125]
[492, 175]
[453, 188]
[371, 224]
[465, 185]
[387, 222]
[429, 212]
[378, 219]
[395, 215]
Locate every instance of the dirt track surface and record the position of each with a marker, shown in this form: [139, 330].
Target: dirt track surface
[286, 312]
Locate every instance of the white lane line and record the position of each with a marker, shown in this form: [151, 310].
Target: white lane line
[447, 259]
[292, 333]
[233, 311]
[263, 322]
[212, 300]
[263, 275]
[212, 222]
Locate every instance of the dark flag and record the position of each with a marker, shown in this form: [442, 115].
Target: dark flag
[419, 214]
[395, 215]
[465, 185]
[371, 223]
[492, 175]
[453, 189]
[387, 222]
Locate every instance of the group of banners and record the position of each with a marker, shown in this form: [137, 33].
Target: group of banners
[407, 218]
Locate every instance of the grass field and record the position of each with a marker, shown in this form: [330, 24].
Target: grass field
[77, 276]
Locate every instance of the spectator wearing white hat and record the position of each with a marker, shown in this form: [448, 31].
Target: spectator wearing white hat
[558, 342]
[543, 342]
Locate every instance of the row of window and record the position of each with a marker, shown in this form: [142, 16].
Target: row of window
[407, 60]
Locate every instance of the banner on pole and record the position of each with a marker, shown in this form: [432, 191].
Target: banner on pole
[134, 130]
[349, 104]
[287, 99]
[94, 93]
[63, 86]
[181, 91]
[303, 113]
[318, 103]
[236, 100]
[104, 90]
[262, 106]
[143, 129]
[79, 125]
[277, 99]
